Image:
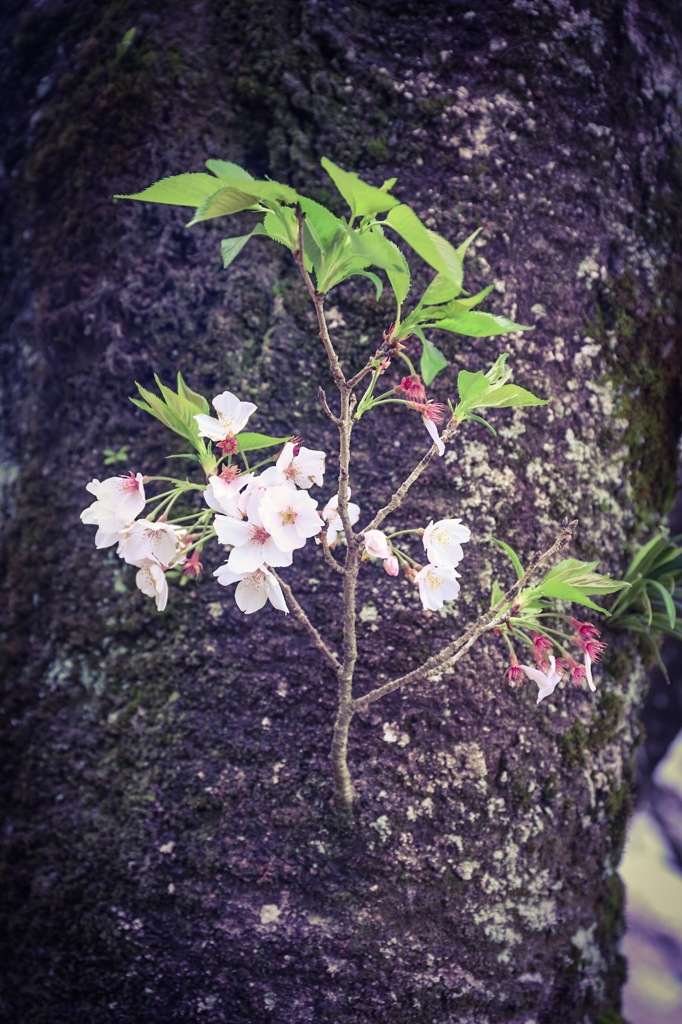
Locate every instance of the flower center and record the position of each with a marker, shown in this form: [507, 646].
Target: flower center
[259, 535]
[288, 516]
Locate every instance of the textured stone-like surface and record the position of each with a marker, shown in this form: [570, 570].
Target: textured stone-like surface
[170, 852]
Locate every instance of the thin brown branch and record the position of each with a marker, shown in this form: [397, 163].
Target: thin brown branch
[318, 303]
[327, 552]
[325, 405]
[301, 615]
[397, 498]
[452, 653]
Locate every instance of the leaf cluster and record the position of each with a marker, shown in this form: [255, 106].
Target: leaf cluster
[335, 249]
[653, 603]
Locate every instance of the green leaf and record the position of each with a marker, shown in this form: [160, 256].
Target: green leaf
[192, 397]
[496, 594]
[224, 169]
[472, 300]
[506, 396]
[443, 287]
[323, 225]
[432, 359]
[511, 554]
[178, 190]
[433, 249]
[479, 419]
[249, 442]
[667, 601]
[241, 194]
[582, 574]
[231, 247]
[479, 325]
[363, 199]
[374, 278]
[471, 385]
[565, 592]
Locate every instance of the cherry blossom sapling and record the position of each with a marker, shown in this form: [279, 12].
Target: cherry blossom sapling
[265, 512]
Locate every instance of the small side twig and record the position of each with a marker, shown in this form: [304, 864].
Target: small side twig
[397, 498]
[300, 614]
[452, 653]
[325, 405]
[328, 556]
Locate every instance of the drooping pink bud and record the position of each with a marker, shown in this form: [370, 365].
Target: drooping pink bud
[193, 566]
[515, 673]
[392, 565]
[413, 388]
[585, 630]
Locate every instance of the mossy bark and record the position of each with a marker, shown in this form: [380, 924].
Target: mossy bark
[170, 852]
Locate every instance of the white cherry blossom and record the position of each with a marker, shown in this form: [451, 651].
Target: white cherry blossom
[376, 544]
[145, 541]
[253, 545]
[250, 497]
[223, 495]
[253, 588]
[330, 514]
[289, 516]
[151, 580]
[546, 681]
[232, 417]
[119, 499]
[437, 584]
[443, 541]
[305, 468]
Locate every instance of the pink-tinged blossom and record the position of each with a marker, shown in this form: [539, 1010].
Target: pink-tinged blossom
[232, 417]
[392, 565]
[413, 388]
[546, 681]
[431, 414]
[376, 544]
[222, 495]
[437, 584]
[146, 541]
[289, 516]
[443, 541]
[302, 466]
[514, 672]
[330, 514]
[253, 545]
[253, 589]
[576, 671]
[151, 580]
[585, 630]
[119, 499]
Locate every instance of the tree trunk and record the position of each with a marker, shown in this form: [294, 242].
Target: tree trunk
[171, 852]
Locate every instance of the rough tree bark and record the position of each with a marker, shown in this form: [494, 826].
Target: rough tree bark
[170, 853]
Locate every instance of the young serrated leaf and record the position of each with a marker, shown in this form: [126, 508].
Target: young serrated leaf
[479, 419]
[474, 324]
[506, 396]
[192, 397]
[225, 169]
[323, 225]
[496, 594]
[363, 199]
[442, 289]
[191, 189]
[582, 574]
[224, 203]
[231, 247]
[432, 359]
[471, 385]
[565, 592]
[463, 305]
[511, 555]
[250, 442]
[374, 278]
[433, 249]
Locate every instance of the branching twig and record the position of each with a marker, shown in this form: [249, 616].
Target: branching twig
[458, 648]
[397, 498]
[301, 615]
[325, 405]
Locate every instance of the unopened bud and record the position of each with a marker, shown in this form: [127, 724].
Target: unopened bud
[392, 565]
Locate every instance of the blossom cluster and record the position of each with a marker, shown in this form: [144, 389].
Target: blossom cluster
[550, 670]
[153, 547]
[438, 579]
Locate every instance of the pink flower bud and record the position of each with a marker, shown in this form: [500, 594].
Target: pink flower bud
[376, 544]
[392, 565]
